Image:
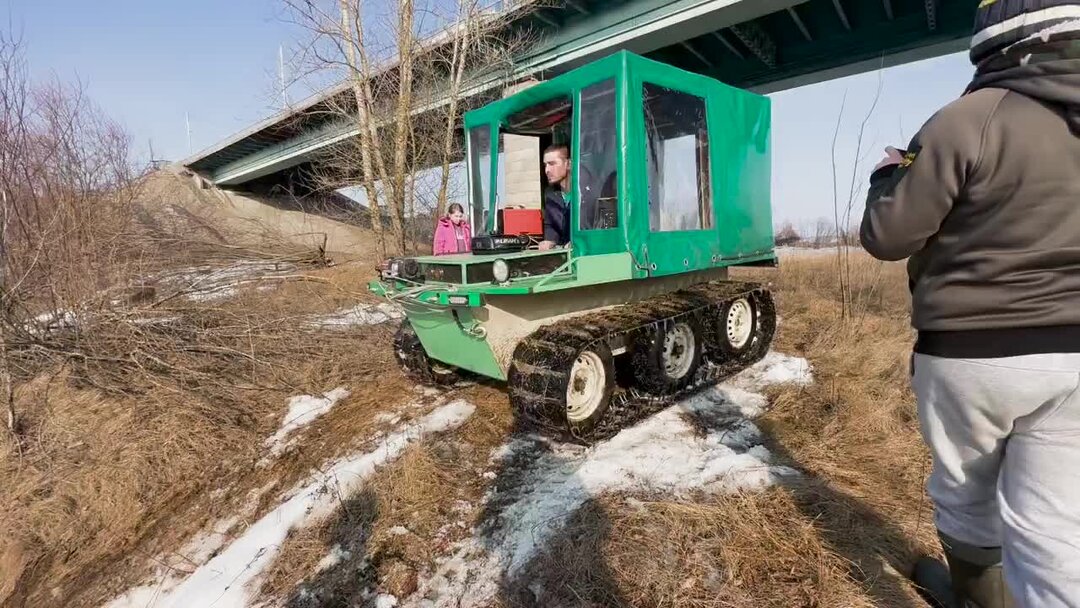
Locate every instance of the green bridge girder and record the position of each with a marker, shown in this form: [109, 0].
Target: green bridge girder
[762, 45]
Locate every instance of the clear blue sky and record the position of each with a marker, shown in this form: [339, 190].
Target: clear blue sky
[148, 62]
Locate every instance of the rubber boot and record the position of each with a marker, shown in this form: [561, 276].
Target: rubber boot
[933, 583]
[976, 575]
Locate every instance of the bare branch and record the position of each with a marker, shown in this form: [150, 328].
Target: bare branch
[403, 101]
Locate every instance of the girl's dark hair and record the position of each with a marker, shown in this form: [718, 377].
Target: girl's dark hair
[453, 206]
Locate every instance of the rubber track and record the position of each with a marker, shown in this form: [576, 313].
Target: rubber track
[542, 361]
[414, 361]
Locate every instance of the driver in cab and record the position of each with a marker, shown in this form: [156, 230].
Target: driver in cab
[556, 205]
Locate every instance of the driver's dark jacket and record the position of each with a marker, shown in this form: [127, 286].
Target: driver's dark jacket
[556, 217]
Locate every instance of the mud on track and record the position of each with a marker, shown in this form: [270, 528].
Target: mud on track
[542, 363]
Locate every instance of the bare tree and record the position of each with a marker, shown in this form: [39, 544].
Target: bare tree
[362, 95]
[846, 237]
[402, 137]
[66, 187]
[787, 235]
[6, 383]
[12, 112]
[407, 94]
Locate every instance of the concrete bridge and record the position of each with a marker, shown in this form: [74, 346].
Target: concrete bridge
[762, 45]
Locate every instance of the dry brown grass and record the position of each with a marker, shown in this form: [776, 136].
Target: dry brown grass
[855, 430]
[100, 469]
[844, 535]
[409, 512]
[736, 550]
[135, 414]
[123, 478]
[115, 469]
[315, 291]
[841, 536]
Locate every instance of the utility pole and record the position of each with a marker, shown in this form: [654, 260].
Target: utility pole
[6, 382]
[187, 121]
[281, 77]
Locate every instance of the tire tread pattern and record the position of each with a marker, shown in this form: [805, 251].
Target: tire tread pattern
[540, 371]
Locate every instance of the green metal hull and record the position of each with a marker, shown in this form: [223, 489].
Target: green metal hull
[482, 339]
[446, 340]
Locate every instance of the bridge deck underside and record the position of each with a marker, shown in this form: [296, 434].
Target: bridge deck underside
[803, 43]
[791, 43]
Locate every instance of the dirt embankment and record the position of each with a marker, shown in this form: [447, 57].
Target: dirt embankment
[174, 199]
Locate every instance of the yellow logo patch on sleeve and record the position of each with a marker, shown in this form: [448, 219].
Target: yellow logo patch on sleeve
[908, 159]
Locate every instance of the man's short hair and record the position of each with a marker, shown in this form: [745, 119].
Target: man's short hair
[565, 149]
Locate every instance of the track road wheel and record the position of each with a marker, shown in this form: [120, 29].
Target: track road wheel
[414, 361]
[562, 388]
[588, 392]
[666, 357]
[737, 326]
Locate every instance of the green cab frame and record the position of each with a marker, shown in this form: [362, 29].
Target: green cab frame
[735, 156]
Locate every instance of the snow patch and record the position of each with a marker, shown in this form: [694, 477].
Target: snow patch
[303, 410]
[213, 283]
[388, 417]
[51, 321]
[212, 294]
[663, 454]
[824, 251]
[386, 601]
[55, 320]
[704, 443]
[775, 368]
[788, 251]
[333, 558]
[203, 546]
[225, 580]
[359, 315]
[165, 320]
[399, 531]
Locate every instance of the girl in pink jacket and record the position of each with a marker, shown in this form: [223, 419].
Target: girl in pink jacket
[453, 234]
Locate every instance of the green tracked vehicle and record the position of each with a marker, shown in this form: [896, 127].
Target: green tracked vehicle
[670, 186]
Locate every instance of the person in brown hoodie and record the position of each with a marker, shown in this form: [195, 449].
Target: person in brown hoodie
[985, 205]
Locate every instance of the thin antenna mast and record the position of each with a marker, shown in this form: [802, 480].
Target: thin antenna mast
[281, 76]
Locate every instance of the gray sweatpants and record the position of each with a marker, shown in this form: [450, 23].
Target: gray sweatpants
[1005, 438]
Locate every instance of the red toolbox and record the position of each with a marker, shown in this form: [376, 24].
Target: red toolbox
[522, 221]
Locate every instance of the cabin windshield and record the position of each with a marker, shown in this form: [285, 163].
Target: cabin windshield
[479, 175]
[520, 181]
[523, 137]
[598, 159]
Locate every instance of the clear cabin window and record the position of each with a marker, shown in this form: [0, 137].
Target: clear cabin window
[598, 183]
[677, 147]
[480, 173]
[523, 136]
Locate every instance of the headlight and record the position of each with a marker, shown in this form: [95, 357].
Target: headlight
[410, 268]
[501, 271]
